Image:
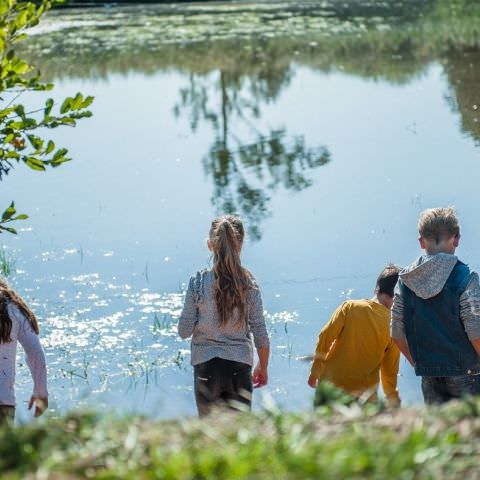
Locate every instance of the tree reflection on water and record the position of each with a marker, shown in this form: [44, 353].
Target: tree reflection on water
[246, 172]
[463, 73]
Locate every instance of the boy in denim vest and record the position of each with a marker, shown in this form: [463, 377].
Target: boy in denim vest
[436, 312]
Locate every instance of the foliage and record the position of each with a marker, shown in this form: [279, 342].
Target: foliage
[10, 215]
[440, 442]
[7, 263]
[19, 125]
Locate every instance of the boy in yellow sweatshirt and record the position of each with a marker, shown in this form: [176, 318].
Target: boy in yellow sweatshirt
[355, 348]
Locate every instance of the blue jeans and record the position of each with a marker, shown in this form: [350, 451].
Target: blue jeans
[443, 389]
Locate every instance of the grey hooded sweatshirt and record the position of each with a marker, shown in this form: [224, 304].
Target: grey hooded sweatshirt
[426, 277]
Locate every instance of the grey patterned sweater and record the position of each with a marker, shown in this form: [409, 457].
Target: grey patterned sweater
[200, 320]
[426, 277]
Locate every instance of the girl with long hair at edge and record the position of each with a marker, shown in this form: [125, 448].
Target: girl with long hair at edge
[19, 324]
[222, 311]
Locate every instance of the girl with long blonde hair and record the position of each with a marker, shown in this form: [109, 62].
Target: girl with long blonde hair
[222, 311]
[19, 324]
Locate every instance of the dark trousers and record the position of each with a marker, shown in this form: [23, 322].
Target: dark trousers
[7, 415]
[443, 389]
[222, 383]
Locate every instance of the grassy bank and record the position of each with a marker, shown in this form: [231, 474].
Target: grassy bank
[203, 38]
[343, 442]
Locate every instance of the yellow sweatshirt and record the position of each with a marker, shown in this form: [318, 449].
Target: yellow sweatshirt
[355, 346]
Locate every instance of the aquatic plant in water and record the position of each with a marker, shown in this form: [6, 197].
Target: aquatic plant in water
[7, 262]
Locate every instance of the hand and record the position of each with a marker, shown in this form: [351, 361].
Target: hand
[41, 404]
[260, 376]
[312, 381]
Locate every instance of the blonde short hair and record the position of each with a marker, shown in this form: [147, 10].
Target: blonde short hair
[438, 223]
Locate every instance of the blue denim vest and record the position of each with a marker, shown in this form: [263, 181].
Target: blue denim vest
[435, 334]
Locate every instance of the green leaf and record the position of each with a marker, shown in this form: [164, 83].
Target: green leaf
[60, 153]
[21, 20]
[8, 229]
[21, 37]
[77, 101]
[22, 216]
[12, 154]
[48, 107]
[29, 123]
[16, 125]
[36, 142]
[68, 121]
[20, 111]
[59, 158]
[19, 66]
[35, 163]
[87, 102]
[66, 105]
[4, 8]
[50, 147]
[9, 212]
[58, 162]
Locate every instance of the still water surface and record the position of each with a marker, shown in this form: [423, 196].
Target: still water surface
[329, 167]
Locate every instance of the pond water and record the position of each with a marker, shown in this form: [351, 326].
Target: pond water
[328, 154]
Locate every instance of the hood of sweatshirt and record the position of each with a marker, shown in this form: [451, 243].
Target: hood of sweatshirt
[427, 276]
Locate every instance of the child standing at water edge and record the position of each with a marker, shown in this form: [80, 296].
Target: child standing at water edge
[436, 312]
[18, 324]
[223, 308]
[355, 348]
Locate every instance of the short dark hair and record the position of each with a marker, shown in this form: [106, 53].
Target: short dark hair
[387, 279]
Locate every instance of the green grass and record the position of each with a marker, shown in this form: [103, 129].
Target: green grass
[7, 263]
[333, 442]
